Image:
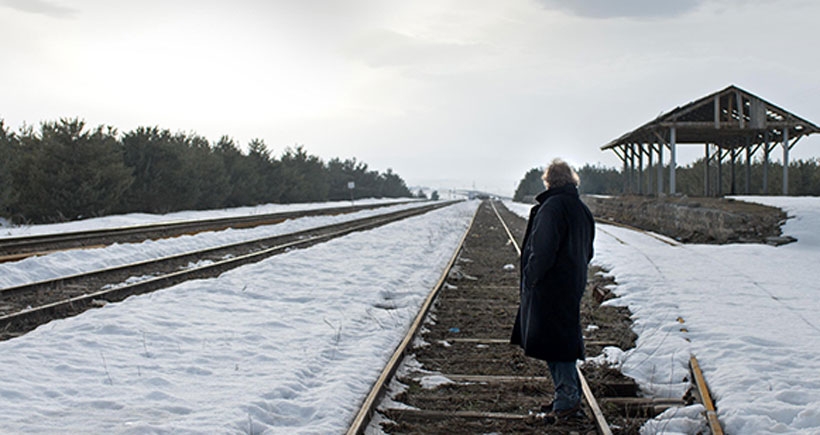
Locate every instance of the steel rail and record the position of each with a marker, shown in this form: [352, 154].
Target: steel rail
[507, 229]
[701, 387]
[302, 239]
[669, 242]
[368, 406]
[19, 247]
[600, 421]
[71, 279]
[705, 397]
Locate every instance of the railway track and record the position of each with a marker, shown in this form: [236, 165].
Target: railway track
[456, 373]
[484, 384]
[18, 248]
[700, 391]
[25, 307]
[592, 403]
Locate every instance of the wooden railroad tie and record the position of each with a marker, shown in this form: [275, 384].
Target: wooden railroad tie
[640, 406]
[507, 341]
[406, 413]
[618, 389]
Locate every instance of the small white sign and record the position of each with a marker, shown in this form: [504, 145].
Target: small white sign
[351, 184]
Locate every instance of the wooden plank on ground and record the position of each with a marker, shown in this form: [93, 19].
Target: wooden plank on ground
[493, 302]
[480, 340]
[493, 379]
[641, 406]
[615, 389]
[488, 340]
[430, 414]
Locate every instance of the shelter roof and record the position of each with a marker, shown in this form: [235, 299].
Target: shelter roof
[727, 118]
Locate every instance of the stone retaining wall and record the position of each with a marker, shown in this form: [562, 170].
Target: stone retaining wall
[694, 220]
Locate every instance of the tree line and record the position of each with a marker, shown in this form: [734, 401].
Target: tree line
[65, 171]
[595, 179]
[804, 180]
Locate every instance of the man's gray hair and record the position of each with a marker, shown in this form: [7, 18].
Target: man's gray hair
[558, 174]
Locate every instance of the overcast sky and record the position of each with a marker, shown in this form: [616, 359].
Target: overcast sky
[445, 92]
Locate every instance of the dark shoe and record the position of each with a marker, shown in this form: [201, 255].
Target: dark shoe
[547, 407]
[562, 415]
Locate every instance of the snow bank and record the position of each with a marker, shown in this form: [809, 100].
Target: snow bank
[290, 344]
[748, 312]
[124, 220]
[67, 263]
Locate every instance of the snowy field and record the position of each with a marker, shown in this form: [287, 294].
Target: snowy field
[291, 344]
[67, 263]
[130, 219]
[749, 313]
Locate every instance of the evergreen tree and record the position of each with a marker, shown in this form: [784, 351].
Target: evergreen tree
[600, 180]
[303, 177]
[368, 184]
[157, 161]
[208, 169]
[529, 186]
[172, 172]
[339, 174]
[394, 186]
[66, 172]
[269, 183]
[242, 178]
[8, 150]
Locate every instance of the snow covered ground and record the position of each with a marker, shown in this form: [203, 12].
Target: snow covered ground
[288, 345]
[749, 313]
[146, 218]
[292, 344]
[72, 262]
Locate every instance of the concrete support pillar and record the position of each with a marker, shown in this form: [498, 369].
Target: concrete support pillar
[626, 172]
[706, 160]
[672, 162]
[640, 169]
[631, 168]
[660, 169]
[649, 188]
[748, 187]
[719, 161]
[786, 161]
[732, 174]
[766, 150]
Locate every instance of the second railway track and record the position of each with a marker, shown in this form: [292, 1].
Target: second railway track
[19, 247]
[24, 307]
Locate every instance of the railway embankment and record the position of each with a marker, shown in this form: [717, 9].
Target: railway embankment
[694, 220]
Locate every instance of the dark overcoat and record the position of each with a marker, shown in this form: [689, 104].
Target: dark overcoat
[555, 254]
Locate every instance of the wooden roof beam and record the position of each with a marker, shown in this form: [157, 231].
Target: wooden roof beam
[707, 125]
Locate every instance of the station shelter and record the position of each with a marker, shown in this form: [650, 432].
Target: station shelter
[731, 124]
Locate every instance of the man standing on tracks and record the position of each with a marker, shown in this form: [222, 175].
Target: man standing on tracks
[556, 251]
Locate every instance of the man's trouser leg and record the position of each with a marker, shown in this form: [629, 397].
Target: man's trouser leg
[567, 385]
